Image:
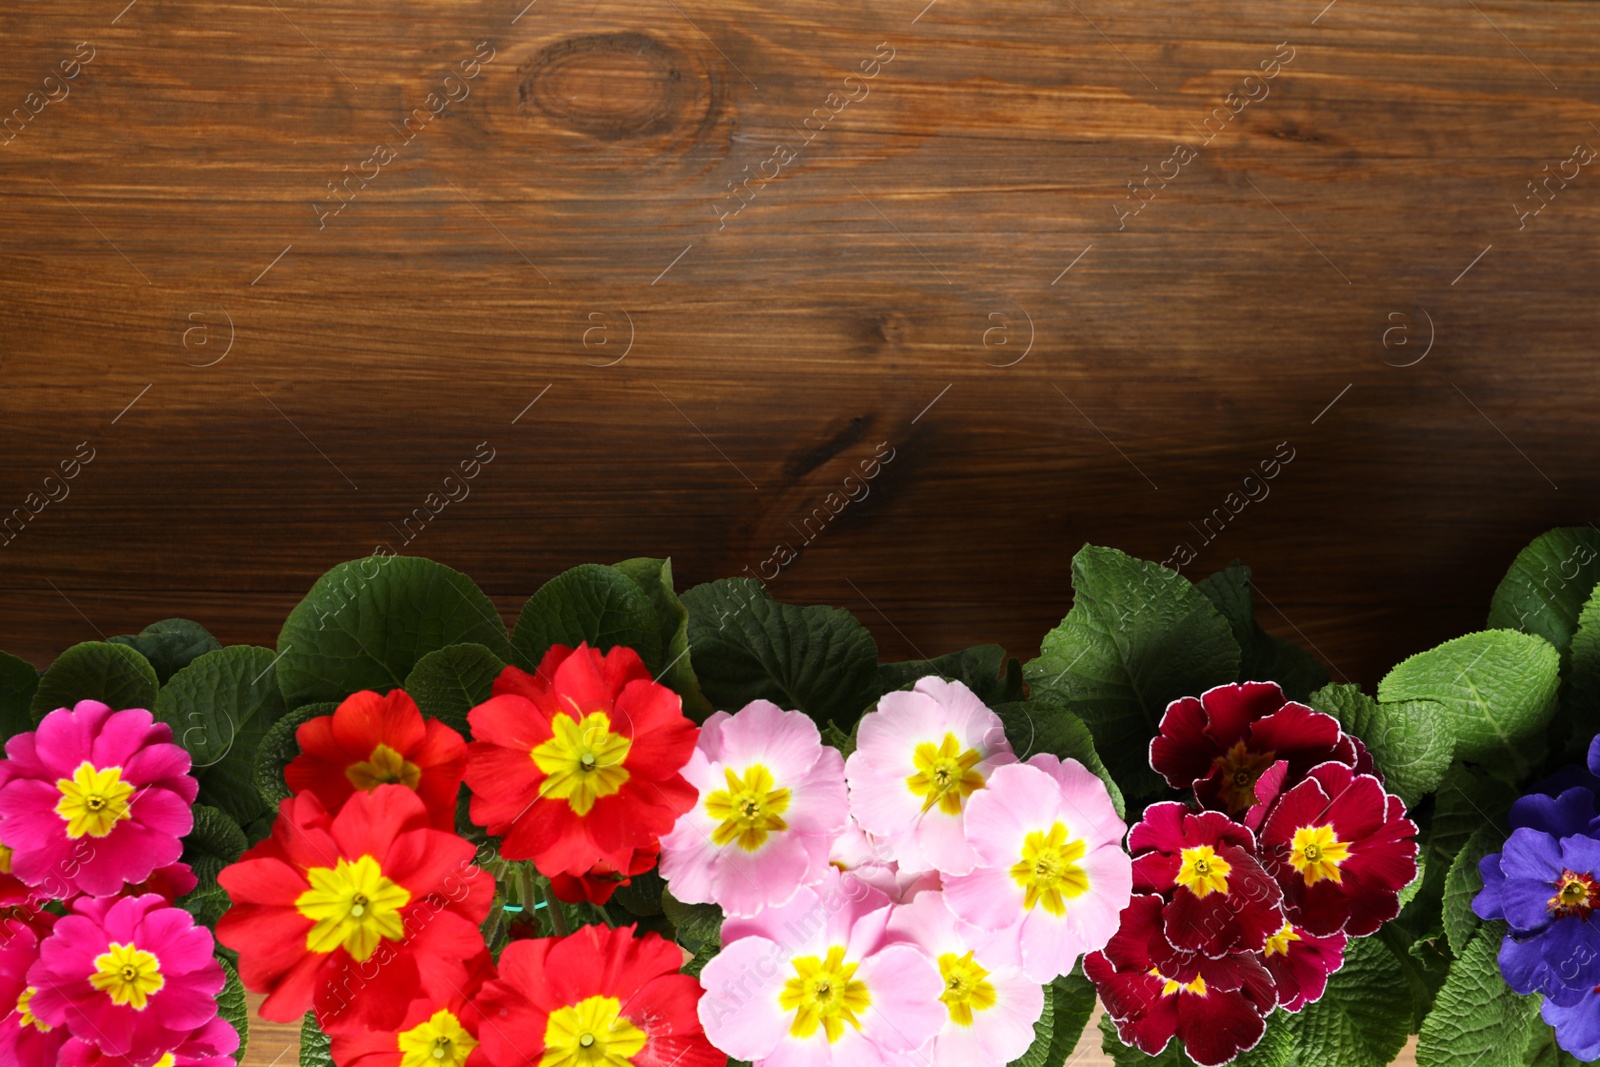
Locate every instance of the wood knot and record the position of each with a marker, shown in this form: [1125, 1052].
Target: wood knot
[615, 87]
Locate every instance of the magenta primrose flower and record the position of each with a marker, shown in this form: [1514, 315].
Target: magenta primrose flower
[25, 1041]
[131, 975]
[212, 1045]
[94, 798]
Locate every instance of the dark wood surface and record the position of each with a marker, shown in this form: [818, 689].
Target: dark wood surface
[881, 284]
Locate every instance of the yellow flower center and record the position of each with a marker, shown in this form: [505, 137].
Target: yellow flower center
[583, 761]
[824, 993]
[439, 1042]
[945, 774]
[1576, 894]
[591, 1033]
[384, 767]
[127, 974]
[1278, 943]
[1048, 871]
[93, 800]
[353, 905]
[1240, 768]
[749, 809]
[5, 860]
[966, 987]
[1203, 872]
[1197, 987]
[1316, 852]
[25, 1016]
[167, 1060]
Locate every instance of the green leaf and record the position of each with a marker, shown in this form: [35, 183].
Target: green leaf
[1466, 800]
[1138, 637]
[451, 681]
[18, 680]
[642, 895]
[1364, 1018]
[233, 1008]
[278, 748]
[1073, 999]
[315, 1048]
[1276, 1047]
[1128, 1056]
[1463, 882]
[1038, 1053]
[1548, 584]
[215, 842]
[654, 577]
[843, 740]
[170, 645]
[1263, 658]
[1495, 691]
[115, 675]
[1035, 726]
[1478, 1019]
[219, 707]
[366, 623]
[1409, 742]
[1581, 696]
[747, 646]
[592, 603]
[984, 669]
[1424, 962]
[696, 925]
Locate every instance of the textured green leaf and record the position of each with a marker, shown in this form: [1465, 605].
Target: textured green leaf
[1364, 1017]
[278, 748]
[747, 646]
[1035, 726]
[1548, 584]
[170, 645]
[642, 895]
[219, 707]
[315, 1048]
[215, 842]
[1581, 696]
[115, 675]
[654, 577]
[1409, 742]
[696, 925]
[592, 603]
[984, 669]
[366, 623]
[18, 680]
[234, 1010]
[451, 681]
[1128, 1056]
[1262, 657]
[1495, 691]
[1478, 1019]
[1467, 799]
[1073, 1000]
[1463, 882]
[840, 739]
[1277, 1046]
[1542, 1050]
[1139, 636]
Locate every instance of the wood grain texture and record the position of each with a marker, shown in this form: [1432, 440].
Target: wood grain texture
[897, 273]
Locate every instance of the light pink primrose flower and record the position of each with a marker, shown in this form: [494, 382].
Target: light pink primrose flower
[132, 976]
[94, 798]
[859, 854]
[920, 758]
[817, 983]
[989, 1013]
[772, 799]
[1053, 877]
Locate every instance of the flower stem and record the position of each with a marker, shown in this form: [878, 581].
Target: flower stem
[558, 918]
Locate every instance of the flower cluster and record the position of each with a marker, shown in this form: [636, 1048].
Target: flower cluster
[365, 906]
[908, 901]
[1245, 902]
[97, 965]
[1545, 884]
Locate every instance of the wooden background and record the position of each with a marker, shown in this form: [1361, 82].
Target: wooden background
[268, 389]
